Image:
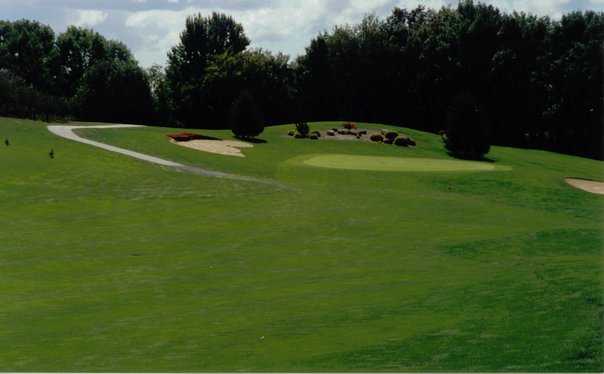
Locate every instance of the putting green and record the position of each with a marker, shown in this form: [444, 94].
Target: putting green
[380, 163]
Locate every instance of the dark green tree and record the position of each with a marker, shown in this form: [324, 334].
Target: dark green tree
[115, 91]
[202, 39]
[467, 128]
[246, 119]
[28, 50]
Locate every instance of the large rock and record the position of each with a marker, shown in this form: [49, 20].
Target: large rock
[404, 141]
[377, 138]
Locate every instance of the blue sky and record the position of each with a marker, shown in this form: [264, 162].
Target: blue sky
[151, 27]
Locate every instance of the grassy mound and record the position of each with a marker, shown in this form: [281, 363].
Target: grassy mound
[108, 263]
[379, 163]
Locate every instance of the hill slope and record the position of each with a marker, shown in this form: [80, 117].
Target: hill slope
[111, 264]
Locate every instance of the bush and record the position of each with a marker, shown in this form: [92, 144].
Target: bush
[467, 134]
[246, 120]
[349, 125]
[303, 129]
[391, 135]
[377, 138]
[402, 141]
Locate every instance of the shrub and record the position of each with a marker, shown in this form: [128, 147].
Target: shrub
[401, 141]
[377, 138]
[467, 128]
[391, 135]
[302, 129]
[246, 120]
[349, 125]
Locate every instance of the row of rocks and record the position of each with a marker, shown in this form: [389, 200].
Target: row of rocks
[392, 137]
[313, 135]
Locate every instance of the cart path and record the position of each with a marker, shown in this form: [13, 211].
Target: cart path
[66, 131]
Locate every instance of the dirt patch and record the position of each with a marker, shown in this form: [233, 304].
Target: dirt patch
[220, 147]
[586, 185]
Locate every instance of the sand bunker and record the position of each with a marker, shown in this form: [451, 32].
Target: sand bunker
[220, 147]
[586, 185]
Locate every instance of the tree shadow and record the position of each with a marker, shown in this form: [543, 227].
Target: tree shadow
[205, 137]
[468, 158]
[252, 140]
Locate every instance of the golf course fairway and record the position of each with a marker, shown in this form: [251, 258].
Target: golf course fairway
[380, 163]
[110, 263]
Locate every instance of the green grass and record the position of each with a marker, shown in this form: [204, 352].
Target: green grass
[111, 264]
[398, 164]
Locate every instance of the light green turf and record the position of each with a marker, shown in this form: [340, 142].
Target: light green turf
[108, 263]
[379, 163]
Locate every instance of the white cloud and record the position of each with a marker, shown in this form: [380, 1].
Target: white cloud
[89, 18]
[279, 28]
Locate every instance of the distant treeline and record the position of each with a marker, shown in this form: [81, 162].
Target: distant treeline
[538, 80]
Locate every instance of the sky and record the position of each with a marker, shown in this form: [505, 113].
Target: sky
[151, 27]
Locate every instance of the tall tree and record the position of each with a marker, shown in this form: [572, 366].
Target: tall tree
[27, 48]
[202, 39]
[115, 91]
[79, 49]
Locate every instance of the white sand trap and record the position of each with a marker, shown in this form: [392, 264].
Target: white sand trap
[220, 147]
[586, 185]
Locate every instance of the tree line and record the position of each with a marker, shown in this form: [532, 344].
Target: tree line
[537, 80]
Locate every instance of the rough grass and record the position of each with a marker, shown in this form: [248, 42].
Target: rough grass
[111, 264]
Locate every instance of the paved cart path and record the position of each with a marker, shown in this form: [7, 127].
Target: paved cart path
[66, 131]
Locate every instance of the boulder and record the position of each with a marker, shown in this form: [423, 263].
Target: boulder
[314, 137]
[377, 138]
[331, 133]
[291, 133]
[388, 141]
[401, 141]
[318, 134]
